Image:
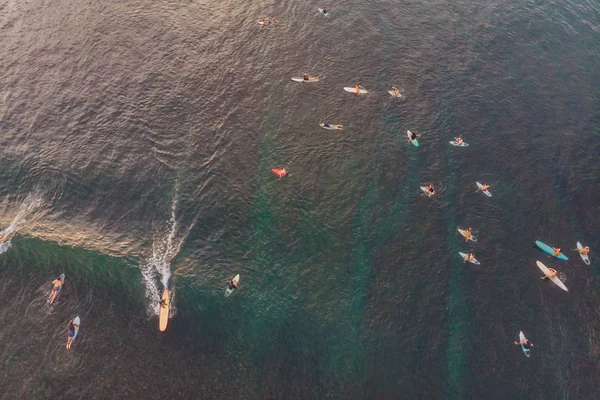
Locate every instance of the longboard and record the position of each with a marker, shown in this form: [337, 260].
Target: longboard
[163, 317]
[310, 79]
[546, 271]
[464, 257]
[235, 280]
[353, 90]
[331, 127]
[547, 249]
[586, 258]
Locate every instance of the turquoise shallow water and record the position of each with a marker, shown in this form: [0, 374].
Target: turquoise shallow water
[136, 146]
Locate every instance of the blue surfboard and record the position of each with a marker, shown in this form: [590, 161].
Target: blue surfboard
[547, 249]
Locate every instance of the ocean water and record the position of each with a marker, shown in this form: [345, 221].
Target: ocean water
[136, 143]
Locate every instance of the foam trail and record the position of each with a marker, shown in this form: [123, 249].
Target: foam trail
[29, 207]
[157, 268]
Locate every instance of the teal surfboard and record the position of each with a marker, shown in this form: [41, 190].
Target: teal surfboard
[547, 249]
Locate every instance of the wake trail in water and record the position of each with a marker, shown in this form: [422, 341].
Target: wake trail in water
[30, 211]
[157, 268]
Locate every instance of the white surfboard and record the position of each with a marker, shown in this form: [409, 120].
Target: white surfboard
[486, 192]
[235, 279]
[331, 127]
[302, 80]
[325, 14]
[426, 191]
[464, 233]
[353, 90]
[546, 271]
[586, 258]
[269, 22]
[463, 144]
[391, 92]
[522, 338]
[464, 257]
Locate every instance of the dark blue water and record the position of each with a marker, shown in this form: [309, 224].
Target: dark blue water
[136, 146]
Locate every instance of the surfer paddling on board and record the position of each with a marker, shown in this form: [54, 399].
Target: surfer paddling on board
[484, 187]
[56, 286]
[470, 257]
[468, 234]
[413, 136]
[71, 334]
[525, 343]
[557, 252]
[584, 251]
[279, 172]
[232, 285]
[553, 273]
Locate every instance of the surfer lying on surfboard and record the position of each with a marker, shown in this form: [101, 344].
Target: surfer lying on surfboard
[557, 252]
[56, 286]
[232, 285]
[553, 273]
[470, 257]
[525, 343]
[468, 234]
[484, 187]
[71, 334]
[584, 251]
[279, 172]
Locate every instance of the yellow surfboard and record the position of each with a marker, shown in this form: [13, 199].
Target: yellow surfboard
[163, 318]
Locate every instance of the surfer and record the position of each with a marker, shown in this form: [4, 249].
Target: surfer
[163, 303]
[232, 285]
[430, 190]
[458, 141]
[324, 10]
[326, 125]
[357, 89]
[468, 234]
[525, 343]
[553, 273]
[71, 334]
[57, 285]
[413, 136]
[470, 257]
[396, 91]
[484, 187]
[556, 252]
[305, 77]
[279, 172]
[584, 251]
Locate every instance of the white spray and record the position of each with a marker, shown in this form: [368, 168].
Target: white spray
[158, 265]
